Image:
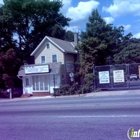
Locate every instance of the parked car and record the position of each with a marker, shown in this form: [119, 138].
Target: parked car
[133, 77]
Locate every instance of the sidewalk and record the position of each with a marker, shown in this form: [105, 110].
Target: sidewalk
[114, 93]
[25, 99]
[96, 94]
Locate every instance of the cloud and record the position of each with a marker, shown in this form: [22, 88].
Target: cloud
[126, 27]
[137, 36]
[82, 11]
[123, 7]
[79, 14]
[73, 29]
[108, 20]
[66, 5]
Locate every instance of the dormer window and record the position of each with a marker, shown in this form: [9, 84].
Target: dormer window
[48, 45]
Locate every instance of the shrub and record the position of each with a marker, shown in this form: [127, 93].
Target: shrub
[88, 87]
[4, 93]
[67, 90]
[63, 90]
[76, 88]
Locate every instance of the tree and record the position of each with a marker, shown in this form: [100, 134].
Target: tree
[31, 20]
[23, 24]
[129, 52]
[92, 52]
[99, 43]
[95, 26]
[6, 40]
[10, 65]
[69, 36]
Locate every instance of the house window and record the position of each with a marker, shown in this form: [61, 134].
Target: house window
[40, 83]
[48, 45]
[54, 58]
[62, 76]
[43, 59]
[37, 83]
[27, 81]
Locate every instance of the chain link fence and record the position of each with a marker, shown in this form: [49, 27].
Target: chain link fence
[119, 76]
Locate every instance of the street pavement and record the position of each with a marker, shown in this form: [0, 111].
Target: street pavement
[96, 117]
[96, 94]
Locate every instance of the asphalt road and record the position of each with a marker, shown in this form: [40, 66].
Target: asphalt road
[79, 118]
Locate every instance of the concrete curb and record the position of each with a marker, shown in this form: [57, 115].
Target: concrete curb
[26, 99]
[93, 94]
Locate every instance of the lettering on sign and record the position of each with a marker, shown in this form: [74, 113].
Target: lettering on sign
[118, 76]
[104, 77]
[36, 69]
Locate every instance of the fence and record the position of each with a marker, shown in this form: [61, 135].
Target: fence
[119, 76]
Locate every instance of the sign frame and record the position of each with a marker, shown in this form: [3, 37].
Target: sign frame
[33, 69]
[118, 76]
[104, 77]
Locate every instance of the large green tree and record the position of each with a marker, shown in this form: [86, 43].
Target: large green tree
[69, 36]
[30, 20]
[106, 33]
[8, 64]
[92, 52]
[6, 34]
[99, 43]
[129, 51]
[23, 24]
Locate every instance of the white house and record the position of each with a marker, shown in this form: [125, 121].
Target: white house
[54, 61]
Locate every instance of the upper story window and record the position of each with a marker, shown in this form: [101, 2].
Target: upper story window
[54, 58]
[43, 59]
[48, 45]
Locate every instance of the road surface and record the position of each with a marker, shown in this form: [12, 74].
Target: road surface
[79, 118]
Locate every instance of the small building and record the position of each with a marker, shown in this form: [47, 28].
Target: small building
[53, 65]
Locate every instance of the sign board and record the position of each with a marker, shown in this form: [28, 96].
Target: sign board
[104, 77]
[118, 76]
[69, 66]
[71, 74]
[36, 69]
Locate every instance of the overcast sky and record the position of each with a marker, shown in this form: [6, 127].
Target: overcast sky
[117, 12]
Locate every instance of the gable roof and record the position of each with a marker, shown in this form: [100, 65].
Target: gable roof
[62, 45]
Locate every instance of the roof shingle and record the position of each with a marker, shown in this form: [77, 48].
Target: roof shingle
[64, 46]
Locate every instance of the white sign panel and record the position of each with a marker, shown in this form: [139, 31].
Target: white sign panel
[36, 69]
[118, 76]
[104, 77]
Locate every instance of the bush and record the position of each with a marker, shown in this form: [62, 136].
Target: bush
[63, 90]
[5, 93]
[73, 90]
[66, 90]
[88, 87]
[76, 88]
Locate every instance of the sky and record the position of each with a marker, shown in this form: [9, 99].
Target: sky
[124, 13]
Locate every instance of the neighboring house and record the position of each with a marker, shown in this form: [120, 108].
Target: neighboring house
[54, 61]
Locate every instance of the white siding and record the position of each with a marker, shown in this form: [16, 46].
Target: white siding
[43, 51]
[27, 89]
